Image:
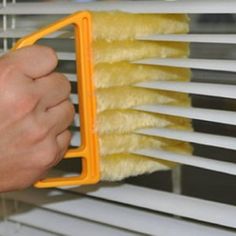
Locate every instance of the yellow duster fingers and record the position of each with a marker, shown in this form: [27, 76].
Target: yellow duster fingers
[116, 25]
[128, 97]
[124, 73]
[114, 46]
[134, 50]
[127, 121]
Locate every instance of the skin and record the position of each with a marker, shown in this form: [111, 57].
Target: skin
[35, 114]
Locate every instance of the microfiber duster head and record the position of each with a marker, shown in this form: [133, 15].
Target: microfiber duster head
[113, 112]
[119, 26]
[115, 44]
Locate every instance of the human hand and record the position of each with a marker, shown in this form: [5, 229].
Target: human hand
[35, 114]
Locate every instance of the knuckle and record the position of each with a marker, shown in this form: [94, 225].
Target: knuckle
[68, 134]
[70, 111]
[17, 97]
[23, 103]
[7, 69]
[47, 158]
[37, 132]
[51, 54]
[47, 54]
[68, 138]
[71, 108]
[65, 83]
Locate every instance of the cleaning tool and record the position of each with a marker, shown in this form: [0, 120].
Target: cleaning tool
[115, 103]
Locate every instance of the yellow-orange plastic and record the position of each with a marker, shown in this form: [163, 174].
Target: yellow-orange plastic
[89, 150]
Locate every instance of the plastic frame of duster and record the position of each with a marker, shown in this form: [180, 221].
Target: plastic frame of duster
[88, 150]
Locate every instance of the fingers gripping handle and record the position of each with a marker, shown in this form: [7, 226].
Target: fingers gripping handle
[88, 150]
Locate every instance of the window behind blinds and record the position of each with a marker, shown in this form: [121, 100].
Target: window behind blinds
[197, 199]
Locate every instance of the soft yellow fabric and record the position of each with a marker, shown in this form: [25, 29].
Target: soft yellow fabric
[113, 26]
[114, 45]
[127, 120]
[133, 50]
[124, 73]
[119, 166]
[127, 97]
[124, 143]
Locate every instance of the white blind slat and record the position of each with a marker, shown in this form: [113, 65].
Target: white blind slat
[71, 77]
[9, 228]
[63, 224]
[212, 115]
[196, 161]
[124, 217]
[191, 136]
[196, 38]
[74, 98]
[76, 140]
[21, 32]
[179, 6]
[189, 207]
[207, 89]
[203, 64]
[67, 56]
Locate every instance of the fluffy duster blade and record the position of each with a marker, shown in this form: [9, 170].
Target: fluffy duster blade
[115, 44]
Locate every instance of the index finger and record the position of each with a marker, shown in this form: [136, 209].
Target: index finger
[34, 61]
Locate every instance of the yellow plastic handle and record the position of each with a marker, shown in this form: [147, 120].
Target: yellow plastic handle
[89, 150]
